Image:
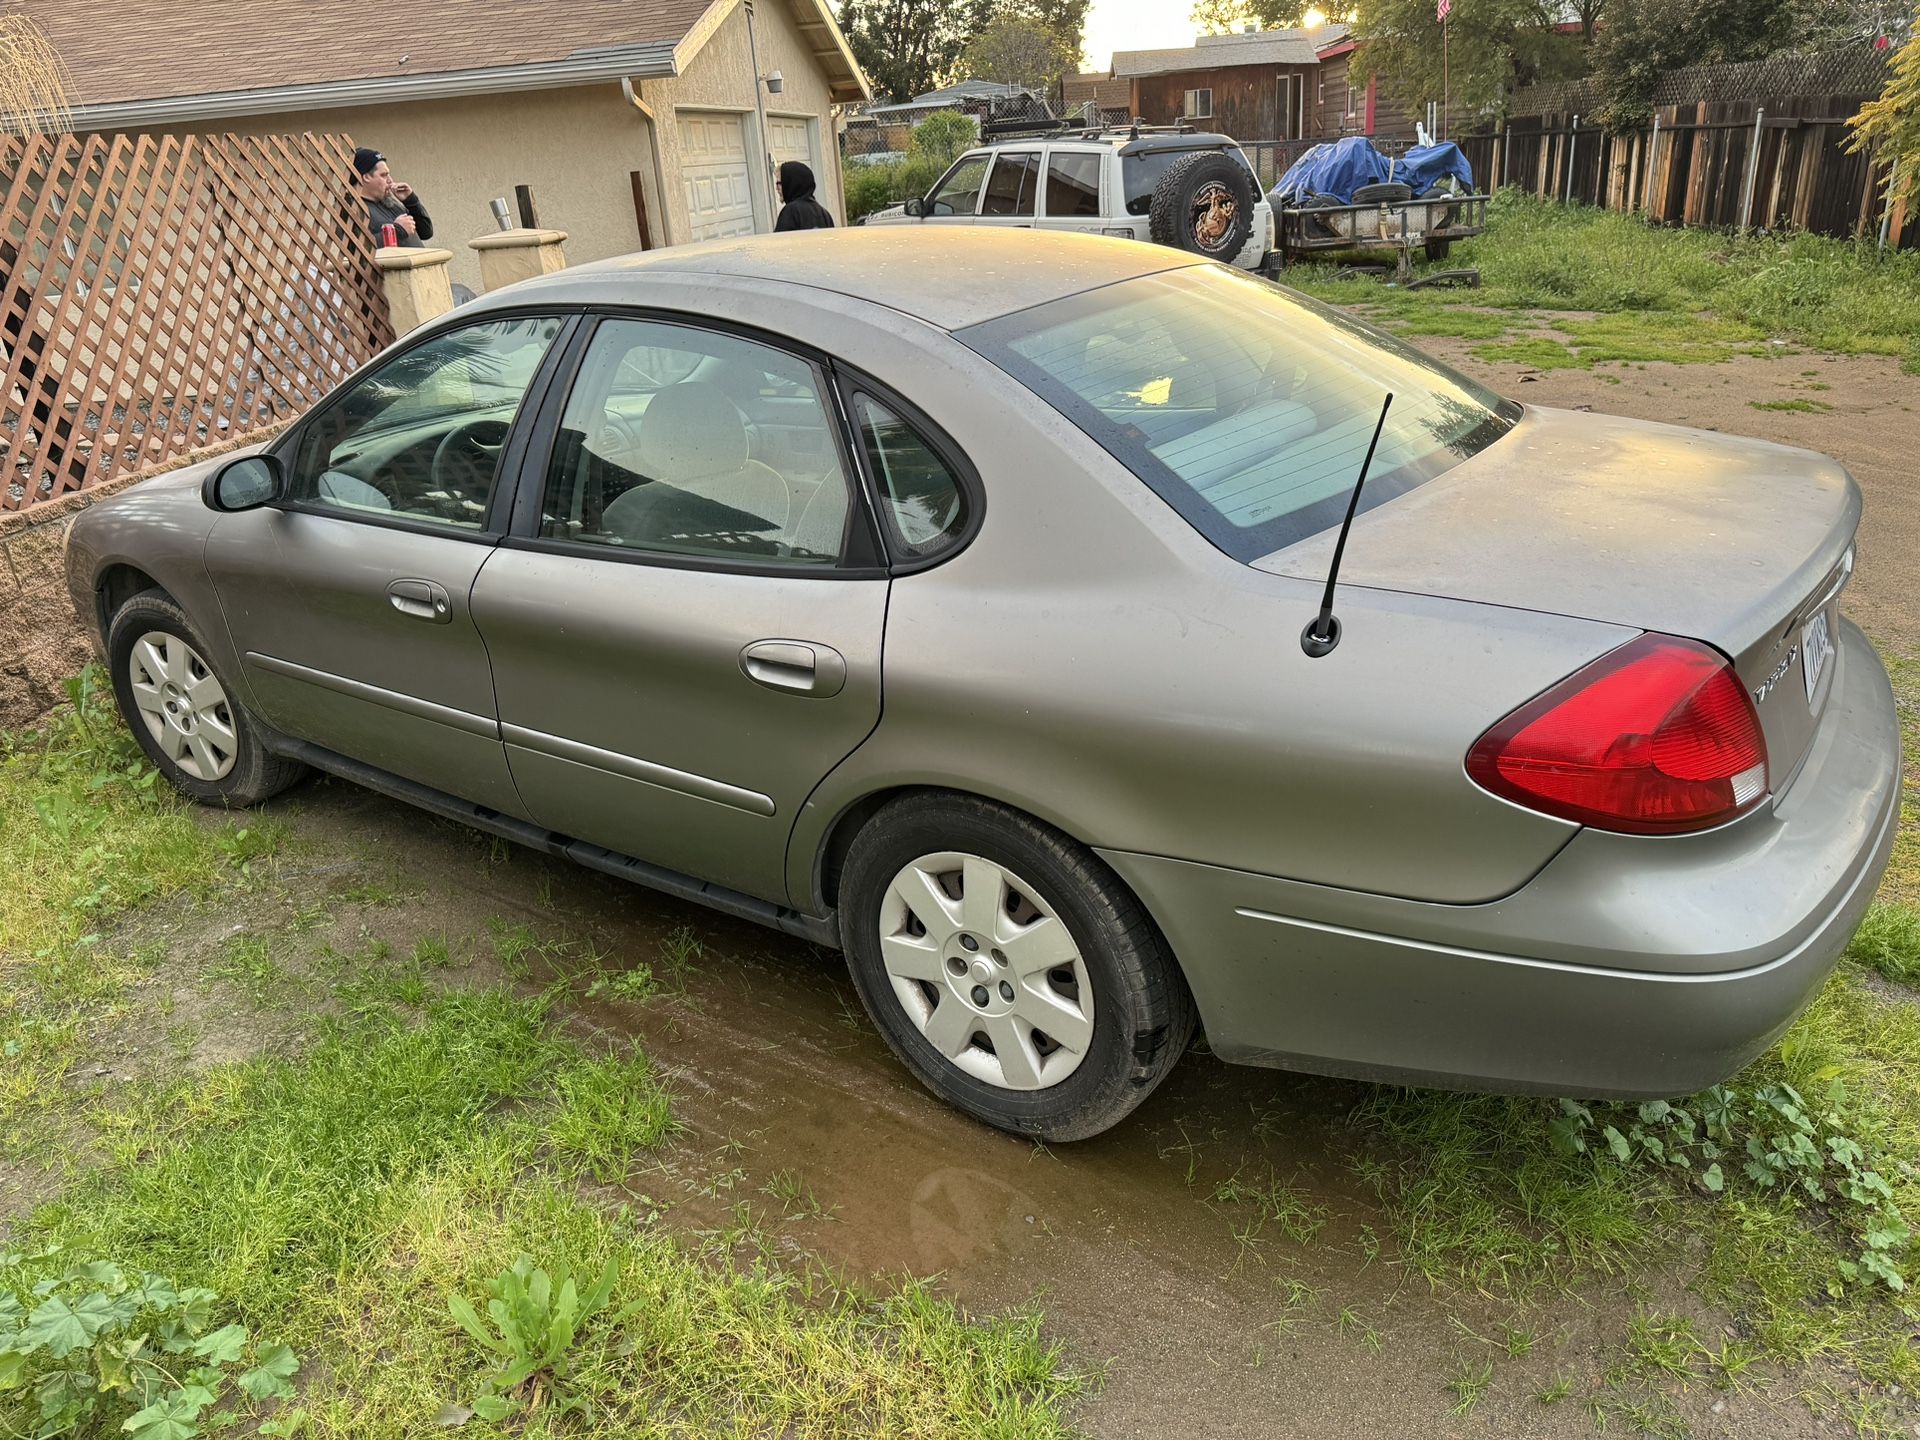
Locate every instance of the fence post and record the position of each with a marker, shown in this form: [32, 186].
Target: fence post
[1753, 169]
[1653, 151]
[1573, 142]
[1886, 214]
[415, 279]
[511, 255]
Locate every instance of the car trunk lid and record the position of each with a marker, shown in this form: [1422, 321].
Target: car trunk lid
[1740, 543]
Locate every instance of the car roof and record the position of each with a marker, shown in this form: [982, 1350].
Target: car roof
[1124, 139]
[951, 277]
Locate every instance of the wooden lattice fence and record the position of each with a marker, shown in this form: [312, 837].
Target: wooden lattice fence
[160, 293]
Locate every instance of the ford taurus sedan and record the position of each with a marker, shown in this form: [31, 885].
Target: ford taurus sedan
[946, 606]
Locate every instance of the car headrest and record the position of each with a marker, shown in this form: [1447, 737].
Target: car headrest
[690, 431]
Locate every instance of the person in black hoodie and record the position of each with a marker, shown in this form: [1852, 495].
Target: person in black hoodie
[802, 211]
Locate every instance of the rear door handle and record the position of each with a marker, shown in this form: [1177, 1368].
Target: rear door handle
[799, 667]
[421, 600]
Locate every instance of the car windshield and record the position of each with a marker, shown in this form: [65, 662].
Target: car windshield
[1141, 173]
[1247, 407]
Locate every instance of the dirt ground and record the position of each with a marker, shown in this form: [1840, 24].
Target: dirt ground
[774, 1068]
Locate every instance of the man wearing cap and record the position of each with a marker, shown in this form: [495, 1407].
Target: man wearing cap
[390, 201]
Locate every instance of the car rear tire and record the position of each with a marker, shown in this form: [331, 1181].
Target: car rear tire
[183, 714]
[1008, 968]
[1204, 205]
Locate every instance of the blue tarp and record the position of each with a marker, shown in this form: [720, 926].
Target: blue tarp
[1340, 167]
[1426, 165]
[1336, 168]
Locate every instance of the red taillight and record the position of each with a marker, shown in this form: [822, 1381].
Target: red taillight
[1654, 738]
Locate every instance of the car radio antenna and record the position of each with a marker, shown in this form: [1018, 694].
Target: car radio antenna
[1323, 631]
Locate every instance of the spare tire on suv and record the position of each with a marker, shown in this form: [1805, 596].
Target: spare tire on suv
[1204, 205]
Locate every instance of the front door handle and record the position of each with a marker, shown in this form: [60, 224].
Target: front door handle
[421, 600]
[799, 667]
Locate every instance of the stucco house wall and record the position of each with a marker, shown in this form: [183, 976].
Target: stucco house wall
[578, 147]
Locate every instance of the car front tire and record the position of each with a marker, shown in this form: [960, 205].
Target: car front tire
[1008, 968]
[183, 714]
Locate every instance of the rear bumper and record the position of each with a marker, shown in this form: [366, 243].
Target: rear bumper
[1630, 966]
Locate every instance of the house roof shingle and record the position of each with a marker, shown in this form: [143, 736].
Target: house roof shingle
[134, 51]
[1213, 52]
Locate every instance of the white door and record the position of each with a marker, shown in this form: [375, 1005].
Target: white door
[713, 163]
[790, 138]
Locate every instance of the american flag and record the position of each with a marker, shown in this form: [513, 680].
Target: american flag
[1441, 13]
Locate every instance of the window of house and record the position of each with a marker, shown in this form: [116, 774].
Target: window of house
[1199, 104]
[1352, 97]
[689, 442]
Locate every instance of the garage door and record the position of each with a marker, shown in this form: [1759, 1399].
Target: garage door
[713, 161]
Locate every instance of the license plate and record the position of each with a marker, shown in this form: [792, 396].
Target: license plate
[1815, 646]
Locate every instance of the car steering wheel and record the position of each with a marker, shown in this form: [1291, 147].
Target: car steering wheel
[466, 458]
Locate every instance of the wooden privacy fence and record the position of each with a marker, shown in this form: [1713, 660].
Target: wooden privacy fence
[160, 293]
[1758, 145]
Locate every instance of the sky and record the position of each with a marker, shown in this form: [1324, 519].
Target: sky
[1136, 25]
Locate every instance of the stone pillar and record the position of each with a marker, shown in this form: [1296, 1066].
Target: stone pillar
[415, 279]
[510, 255]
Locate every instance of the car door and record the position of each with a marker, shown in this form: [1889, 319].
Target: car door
[1070, 193]
[349, 597]
[1012, 186]
[685, 638]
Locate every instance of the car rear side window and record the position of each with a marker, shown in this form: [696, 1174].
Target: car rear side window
[1247, 407]
[1073, 185]
[1011, 185]
[922, 500]
[688, 442]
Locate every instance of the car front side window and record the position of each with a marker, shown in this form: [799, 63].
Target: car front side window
[959, 192]
[420, 438]
[735, 459]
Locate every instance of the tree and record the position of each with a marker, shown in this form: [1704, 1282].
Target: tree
[1890, 126]
[33, 82]
[1644, 39]
[907, 47]
[1493, 47]
[1229, 17]
[1019, 52]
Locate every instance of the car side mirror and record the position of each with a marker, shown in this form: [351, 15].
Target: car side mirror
[916, 207]
[244, 484]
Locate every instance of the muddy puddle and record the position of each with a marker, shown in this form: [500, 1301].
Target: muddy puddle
[1121, 1240]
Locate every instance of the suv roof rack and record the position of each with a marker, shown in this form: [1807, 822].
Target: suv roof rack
[994, 129]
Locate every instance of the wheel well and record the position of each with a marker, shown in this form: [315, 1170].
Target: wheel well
[117, 585]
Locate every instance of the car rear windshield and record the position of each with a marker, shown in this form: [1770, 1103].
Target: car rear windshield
[1141, 173]
[1245, 406]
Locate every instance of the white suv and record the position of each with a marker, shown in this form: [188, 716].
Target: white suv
[1196, 192]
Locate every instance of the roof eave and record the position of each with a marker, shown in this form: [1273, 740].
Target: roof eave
[650, 60]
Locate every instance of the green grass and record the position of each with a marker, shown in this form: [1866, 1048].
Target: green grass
[1888, 941]
[403, 1142]
[1805, 407]
[1646, 285]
